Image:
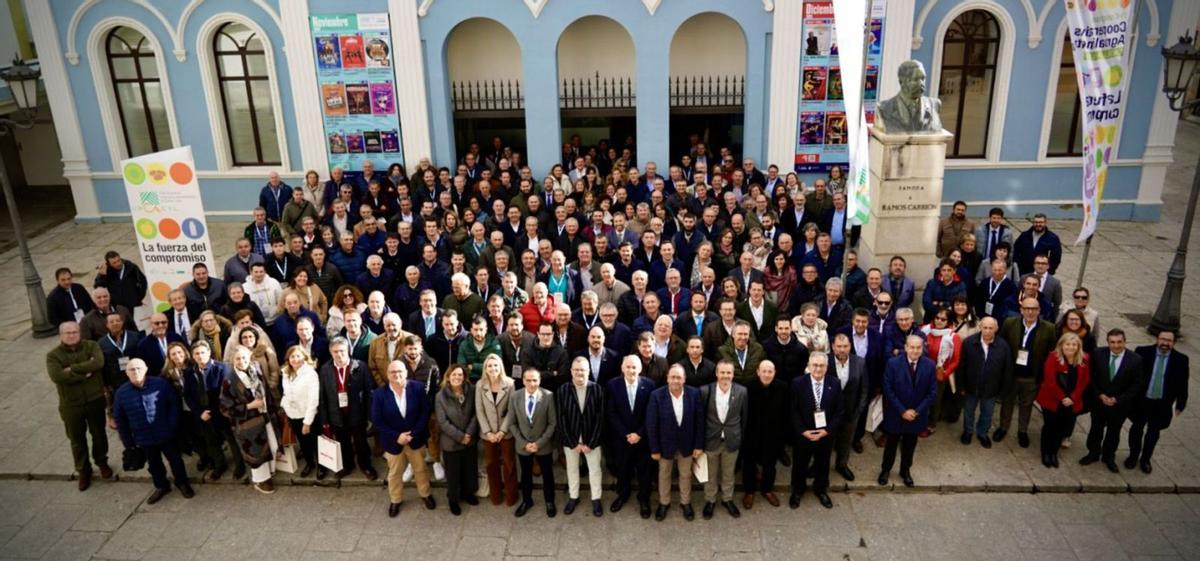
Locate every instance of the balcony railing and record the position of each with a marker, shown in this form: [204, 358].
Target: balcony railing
[707, 91]
[595, 92]
[487, 96]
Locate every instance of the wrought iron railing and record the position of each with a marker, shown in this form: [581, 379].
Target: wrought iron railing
[707, 91]
[487, 95]
[595, 92]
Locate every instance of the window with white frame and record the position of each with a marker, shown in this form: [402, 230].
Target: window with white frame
[1066, 127]
[244, 84]
[970, 50]
[133, 73]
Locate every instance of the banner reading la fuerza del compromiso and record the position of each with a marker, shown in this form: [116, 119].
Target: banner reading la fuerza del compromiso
[1100, 35]
[168, 219]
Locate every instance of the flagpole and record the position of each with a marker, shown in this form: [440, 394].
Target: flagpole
[862, 100]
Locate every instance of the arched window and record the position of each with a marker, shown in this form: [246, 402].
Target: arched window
[245, 88]
[133, 71]
[1066, 129]
[968, 76]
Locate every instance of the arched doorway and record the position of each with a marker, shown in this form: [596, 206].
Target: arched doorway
[597, 94]
[707, 84]
[483, 63]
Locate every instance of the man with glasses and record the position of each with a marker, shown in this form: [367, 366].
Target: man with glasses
[883, 317]
[1080, 301]
[1167, 373]
[1047, 284]
[1030, 339]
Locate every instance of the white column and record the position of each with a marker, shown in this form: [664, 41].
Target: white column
[62, 107]
[1161, 139]
[306, 95]
[411, 102]
[897, 45]
[784, 98]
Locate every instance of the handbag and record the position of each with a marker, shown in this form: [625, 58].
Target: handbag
[133, 459]
[288, 438]
[875, 410]
[329, 453]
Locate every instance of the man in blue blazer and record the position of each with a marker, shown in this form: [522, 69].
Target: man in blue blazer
[993, 296]
[625, 406]
[1166, 397]
[675, 431]
[153, 347]
[400, 413]
[816, 416]
[201, 394]
[909, 387]
[898, 285]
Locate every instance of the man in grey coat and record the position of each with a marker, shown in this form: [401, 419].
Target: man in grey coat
[851, 372]
[533, 419]
[724, 422]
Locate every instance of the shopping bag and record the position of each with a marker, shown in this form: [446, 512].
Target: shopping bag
[285, 459]
[700, 468]
[288, 438]
[875, 410]
[329, 453]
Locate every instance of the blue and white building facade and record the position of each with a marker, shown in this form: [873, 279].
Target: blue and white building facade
[236, 81]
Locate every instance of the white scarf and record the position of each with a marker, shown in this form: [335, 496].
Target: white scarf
[946, 346]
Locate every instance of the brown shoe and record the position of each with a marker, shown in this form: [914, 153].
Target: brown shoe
[772, 499]
[85, 480]
[106, 472]
[748, 501]
[266, 487]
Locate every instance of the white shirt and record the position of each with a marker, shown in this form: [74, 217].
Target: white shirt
[301, 395]
[722, 399]
[631, 391]
[757, 313]
[266, 295]
[594, 363]
[677, 405]
[401, 403]
[530, 398]
[860, 343]
[818, 389]
[843, 370]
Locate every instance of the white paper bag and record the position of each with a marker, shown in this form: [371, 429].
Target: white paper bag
[875, 410]
[285, 459]
[329, 453]
[700, 468]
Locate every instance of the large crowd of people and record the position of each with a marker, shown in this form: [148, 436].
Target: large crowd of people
[647, 327]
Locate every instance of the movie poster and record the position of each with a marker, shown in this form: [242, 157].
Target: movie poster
[822, 139]
[358, 89]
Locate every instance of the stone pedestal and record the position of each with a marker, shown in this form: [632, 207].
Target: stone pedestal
[906, 197]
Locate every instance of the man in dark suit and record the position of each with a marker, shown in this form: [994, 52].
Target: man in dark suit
[718, 332]
[725, 418]
[793, 220]
[785, 349]
[993, 294]
[909, 387]
[759, 312]
[851, 373]
[867, 344]
[69, 301]
[692, 321]
[152, 349]
[835, 221]
[745, 274]
[603, 363]
[424, 322]
[625, 411]
[1117, 381]
[201, 394]
[984, 373]
[816, 410]
[580, 407]
[400, 413]
[1166, 397]
[897, 283]
[1030, 341]
[345, 407]
[533, 418]
[1038, 240]
[698, 370]
[675, 432]
[767, 433]
[834, 309]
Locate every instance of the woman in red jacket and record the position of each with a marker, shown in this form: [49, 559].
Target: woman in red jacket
[1065, 376]
[944, 347]
[539, 309]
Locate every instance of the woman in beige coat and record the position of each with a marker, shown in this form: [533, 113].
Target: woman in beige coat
[499, 450]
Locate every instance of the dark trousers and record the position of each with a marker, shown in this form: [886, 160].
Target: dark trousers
[214, 438]
[908, 445]
[353, 441]
[1105, 432]
[158, 472]
[1056, 425]
[806, 451]
[842, 440]
[1144, 429]
[308, 442]
[754, 460]
[81, 420]
[544, 461]
[462, 472]
[633, 460]
[860, 428]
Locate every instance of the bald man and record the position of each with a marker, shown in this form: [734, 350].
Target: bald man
[146, 411]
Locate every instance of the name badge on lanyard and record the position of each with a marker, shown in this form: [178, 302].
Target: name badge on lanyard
[819, 419]
[1022, 357]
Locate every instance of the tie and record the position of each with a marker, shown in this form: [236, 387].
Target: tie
[699, 324]
[1156, 379]
[818, 390]
[992, 243]
[912, 372]
[529, 403]
[632, 391]
[1112, 367]
[179, 323]
[428, 326]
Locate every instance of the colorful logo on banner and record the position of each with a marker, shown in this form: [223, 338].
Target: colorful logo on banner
[1100, 37]
[168, 218]
[851, 33]
[358, 89]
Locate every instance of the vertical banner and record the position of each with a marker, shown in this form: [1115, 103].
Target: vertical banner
[358, 89]
[1100, 39]
[851, 31]
[824, 119]
[168, 217]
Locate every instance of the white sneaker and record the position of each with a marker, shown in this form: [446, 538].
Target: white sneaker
[439, 472]
[407, 474]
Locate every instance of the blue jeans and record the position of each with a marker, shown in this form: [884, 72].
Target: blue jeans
[986, 406]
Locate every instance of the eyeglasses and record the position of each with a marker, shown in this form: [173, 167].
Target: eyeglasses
[158, 323]
[883, 302]
[1081, 297]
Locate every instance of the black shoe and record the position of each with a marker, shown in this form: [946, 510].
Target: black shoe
[570, 506]
[1146, 469]
[644, 510]
[907, 479]
[239, 471]
[660, 513]
[1130, 462]
[985, 442]
[322, 473]
[454, 508]
[393, 510]
[857, 447]
[883, 478]
[617, 504]
[307, 471]
[597, 508]
[471, 500]
[794, 502]
[370, 474]
[1089, 460]
[217, 473]
[522, 509]
[999, 435]
[1046, 460]
[688, 513]
[157, 495]
[187, 491]
[845, 472]
[824, 499]
[965, 438]
[733, 509]
[1112, 466]
[430, 504]
[1023, 439]
[551, 510]
[708, 510]
[1054, 461]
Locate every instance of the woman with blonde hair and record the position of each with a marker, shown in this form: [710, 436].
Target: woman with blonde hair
[301, 395]
[810, 328]
[1065, 376]
[499, 448]
[454, 407]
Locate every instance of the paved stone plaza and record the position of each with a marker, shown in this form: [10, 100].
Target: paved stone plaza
[965, 497]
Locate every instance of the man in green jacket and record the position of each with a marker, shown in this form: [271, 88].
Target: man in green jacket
[76, 368]
[1030, 340]
[475, 348]
[743, 352]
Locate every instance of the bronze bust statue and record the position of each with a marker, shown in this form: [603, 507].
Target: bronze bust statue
[910, 111]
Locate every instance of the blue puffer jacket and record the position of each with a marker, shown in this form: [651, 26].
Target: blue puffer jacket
[146, 416]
